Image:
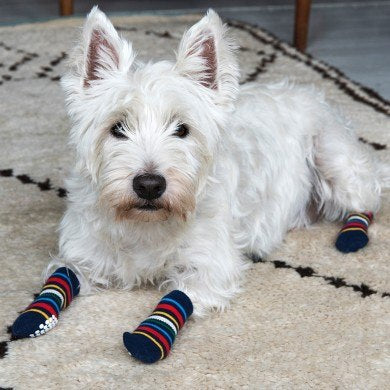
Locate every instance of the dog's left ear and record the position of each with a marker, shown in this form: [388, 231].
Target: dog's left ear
[207, 56]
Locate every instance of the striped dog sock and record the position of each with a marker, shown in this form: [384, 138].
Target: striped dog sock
[353, 235]
[42, 315]
[153, 339]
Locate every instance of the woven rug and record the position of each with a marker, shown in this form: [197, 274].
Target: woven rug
[309, 317]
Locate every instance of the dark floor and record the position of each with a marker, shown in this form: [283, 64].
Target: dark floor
[351, 35]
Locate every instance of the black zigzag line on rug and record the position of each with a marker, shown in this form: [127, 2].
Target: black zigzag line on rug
[27, 56]
[363, 289]
[44, 73]
[9, 331]
[3, 354]
[260, 68]
[164, 34]
[327, 71]
[129, 29]
[21, 51]
[42, 185]
[160, 34]
[3, 349]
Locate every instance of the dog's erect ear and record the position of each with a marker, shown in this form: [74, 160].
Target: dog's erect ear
[101, 53]
[207, 56]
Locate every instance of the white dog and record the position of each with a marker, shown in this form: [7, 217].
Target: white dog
[179, 171]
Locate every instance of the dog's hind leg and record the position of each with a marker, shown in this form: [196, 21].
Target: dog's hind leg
[347, 183]
[42, 314]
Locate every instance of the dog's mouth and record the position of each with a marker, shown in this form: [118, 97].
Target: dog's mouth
[147, 211]
[148, 207]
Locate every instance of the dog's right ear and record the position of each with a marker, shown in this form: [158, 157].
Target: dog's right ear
[100, 55]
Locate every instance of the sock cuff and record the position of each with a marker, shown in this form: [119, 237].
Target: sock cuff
[182, 299]
[366, 216]
[71, 276]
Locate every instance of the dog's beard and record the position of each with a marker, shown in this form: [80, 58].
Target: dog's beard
[178, 201]
[146, 211]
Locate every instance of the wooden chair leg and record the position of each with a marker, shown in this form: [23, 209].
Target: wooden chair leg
[302, 13]
[66, 7]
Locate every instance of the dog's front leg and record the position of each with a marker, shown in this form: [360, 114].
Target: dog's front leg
[210, 268]
[205, 275]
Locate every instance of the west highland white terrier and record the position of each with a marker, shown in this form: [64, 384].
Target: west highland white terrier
[180, 172]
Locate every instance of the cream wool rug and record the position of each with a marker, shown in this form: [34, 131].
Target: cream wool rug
[309, 317]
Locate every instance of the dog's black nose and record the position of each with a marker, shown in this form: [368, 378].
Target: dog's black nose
[149, 186]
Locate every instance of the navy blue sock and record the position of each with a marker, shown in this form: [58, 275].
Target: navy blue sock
[353, 235]
[42, 314]
[154, 337]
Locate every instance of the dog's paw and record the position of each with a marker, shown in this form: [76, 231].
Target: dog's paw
[351, 241]
[32, 324]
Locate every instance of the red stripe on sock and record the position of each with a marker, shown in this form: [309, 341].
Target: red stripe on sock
[159, 336]
[45, 306]
[64, 284]
[172, 309]
[355, 224]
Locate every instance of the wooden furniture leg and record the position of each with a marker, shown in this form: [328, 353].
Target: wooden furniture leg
[66, 7]
[302, 13]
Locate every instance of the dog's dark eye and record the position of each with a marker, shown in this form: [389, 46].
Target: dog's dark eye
[118, 130]
[182, 131]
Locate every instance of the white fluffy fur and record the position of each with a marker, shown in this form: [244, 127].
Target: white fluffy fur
[256, 160]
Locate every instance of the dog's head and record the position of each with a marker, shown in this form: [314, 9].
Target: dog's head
[146, 134]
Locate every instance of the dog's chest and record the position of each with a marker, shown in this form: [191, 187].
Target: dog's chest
[150, 247]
